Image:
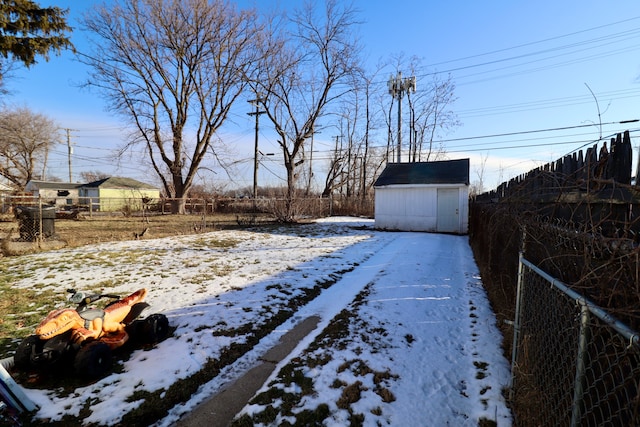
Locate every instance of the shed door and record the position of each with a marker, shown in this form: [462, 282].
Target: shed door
[448, 210]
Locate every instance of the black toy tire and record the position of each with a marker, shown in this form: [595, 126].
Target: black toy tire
[93, 360]
[135, 330]
[22, 357]
[59, 349]
[156, 328]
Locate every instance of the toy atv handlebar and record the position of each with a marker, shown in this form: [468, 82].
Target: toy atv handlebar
[83, 299]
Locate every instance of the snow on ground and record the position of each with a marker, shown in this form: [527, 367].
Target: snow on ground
[419, 320]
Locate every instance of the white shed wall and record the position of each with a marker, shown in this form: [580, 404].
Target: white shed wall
[464, 209]
[415, 207]
[409, 208]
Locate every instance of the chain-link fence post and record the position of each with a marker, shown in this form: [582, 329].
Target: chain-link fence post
[516, 324]
[576, 412]
[39, 234]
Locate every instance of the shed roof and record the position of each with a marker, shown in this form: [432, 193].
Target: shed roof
[441, 172]
[118, 182]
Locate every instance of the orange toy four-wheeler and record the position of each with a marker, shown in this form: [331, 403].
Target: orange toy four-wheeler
[86, 336]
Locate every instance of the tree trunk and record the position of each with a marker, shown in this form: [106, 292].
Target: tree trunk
[181, 190]
[291, 192]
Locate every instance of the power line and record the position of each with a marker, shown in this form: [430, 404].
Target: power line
[541, 68]
[597, 41]
[532, 131]
[538, 53]
[536, 42]
[617, 37]
[512, 147]
[546, 103]
[591, 43]
[458, 149]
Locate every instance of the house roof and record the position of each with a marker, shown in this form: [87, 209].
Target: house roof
[51, 185]
[119, 182]
[441, 172]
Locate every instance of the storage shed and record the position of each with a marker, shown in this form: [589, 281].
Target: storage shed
[423, 196]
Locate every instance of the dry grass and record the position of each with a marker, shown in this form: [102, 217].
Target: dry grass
[87, 230]
[17, 313]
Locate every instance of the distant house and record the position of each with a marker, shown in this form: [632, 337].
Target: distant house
[6, 203]
[59, 194]
[114, 194]
[6, 188]
[423, 196]
[109, 194]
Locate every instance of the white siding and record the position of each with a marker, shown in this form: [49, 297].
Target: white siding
[415, 207]
[410, 208]
[464, 209]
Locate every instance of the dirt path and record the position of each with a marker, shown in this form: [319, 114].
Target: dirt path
[220, 409]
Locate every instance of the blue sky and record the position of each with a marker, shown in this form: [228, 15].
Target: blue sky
[518, 67]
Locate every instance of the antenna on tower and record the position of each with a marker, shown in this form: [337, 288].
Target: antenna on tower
[397, 87]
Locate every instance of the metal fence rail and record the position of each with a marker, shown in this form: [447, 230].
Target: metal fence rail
[27, 222]
[575, 363]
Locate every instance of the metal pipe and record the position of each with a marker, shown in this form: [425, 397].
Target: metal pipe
[516, 322]
[621, 328]
[576, 412]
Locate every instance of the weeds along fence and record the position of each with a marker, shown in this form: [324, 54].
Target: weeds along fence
[576, 220]
[304, 206]
[34, 218]
[578, 363]
[127, 206]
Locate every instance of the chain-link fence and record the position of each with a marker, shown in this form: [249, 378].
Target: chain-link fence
[28, 222]
[573, 363]
[302, 206]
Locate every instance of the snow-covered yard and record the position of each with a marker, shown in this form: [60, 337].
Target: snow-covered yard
[406, 335]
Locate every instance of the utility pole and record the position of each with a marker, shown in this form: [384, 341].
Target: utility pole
[70, 152]
[313, 132]
[44, 165]
[256, 113]
[397, 87]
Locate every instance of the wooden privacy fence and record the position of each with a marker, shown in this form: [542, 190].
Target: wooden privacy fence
[591, 171]
[588, 190]
[575, 219]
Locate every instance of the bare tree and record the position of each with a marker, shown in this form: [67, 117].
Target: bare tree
[25, 140]
[365, 160]
[335, 177]
[309, 58]
[91, 176]
[173, 68]
[477, 186]
[368, 124]
[431, 113]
